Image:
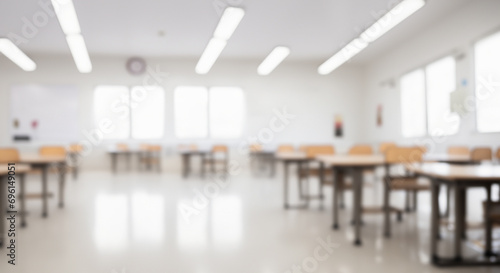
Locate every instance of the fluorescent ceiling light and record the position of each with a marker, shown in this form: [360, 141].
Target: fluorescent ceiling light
[400, 12]
[11, 51]
[395, 16]
[210, 55]
[346, 53]
[66, 15]
[79, 52]
[273, 60]
[228, 23]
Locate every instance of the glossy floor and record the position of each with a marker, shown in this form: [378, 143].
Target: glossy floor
[144, 222]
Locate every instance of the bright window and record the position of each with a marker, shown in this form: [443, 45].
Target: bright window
[111, 111]
[148, 112]
[487, 68]
[413, 104]
[124, 112]
[441, 82]
[425, 100]
[226, 112]
[191, 111]
[200, 112]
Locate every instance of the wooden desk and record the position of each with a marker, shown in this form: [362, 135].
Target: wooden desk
[292, 158]
[19, 170]
[461, 177]
[43, 163]
[446, 158]
[186, 160]
[114, 153]
[355, 164]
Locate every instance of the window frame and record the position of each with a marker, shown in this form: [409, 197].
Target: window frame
[426, 108]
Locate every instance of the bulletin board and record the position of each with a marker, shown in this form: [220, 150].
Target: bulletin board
[44, 113]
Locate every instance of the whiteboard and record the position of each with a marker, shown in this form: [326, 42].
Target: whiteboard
[44, 112]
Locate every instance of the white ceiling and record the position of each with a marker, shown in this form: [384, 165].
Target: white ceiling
[313, 30]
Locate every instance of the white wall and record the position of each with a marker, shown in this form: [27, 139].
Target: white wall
[453, 34]
[314, 99]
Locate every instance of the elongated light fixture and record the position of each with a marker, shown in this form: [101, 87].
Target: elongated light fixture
[273, 60]
[11, 51]
[210, 55]
[231, 18]
[66, 15]
[79, 51]
[395, 16]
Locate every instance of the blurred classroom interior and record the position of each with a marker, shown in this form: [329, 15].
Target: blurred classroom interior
[250, 136]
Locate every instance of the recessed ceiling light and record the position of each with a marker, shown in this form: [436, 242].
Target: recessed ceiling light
[11, 51]
[273, 60]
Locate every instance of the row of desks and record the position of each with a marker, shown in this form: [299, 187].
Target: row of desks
[460, 177]
[25, 164]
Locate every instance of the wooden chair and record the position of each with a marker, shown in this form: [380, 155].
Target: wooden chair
[407, 182]
[384, 146]
[305, 171]
[150, 155]
[491, 217]
[9, 155]
[255, 148]
[285, 149]
[343, 185]
[122, 146]
[458, 150]
[498, 154]
[218, 155]
[52, 151]
[481, 154]
[74, 150]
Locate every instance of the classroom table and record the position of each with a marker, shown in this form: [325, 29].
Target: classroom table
[43, 163]
[460, 177]
[186, 160]
[19, 170]
[73, 162]
[288, 158]
[127, 153]
[355, 164]
[451, 159]
[263, 158]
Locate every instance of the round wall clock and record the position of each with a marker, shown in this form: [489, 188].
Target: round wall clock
[136, 66]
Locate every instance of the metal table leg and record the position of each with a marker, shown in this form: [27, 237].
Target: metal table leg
[335, 195]
[45, 213]
[62, 174]
[357, 187]
[22, 196]
[434, 220]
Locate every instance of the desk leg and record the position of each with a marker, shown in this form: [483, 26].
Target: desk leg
[273, 166]
[44, 191]
[321, 182]
[459, 222]
[184, 165]
[285, 185]
[128, 160]
[113, 162]
[335, 195]
[203, 166]
[488, 225]
[357, 187]
[3, 201]
[387, 210]
[62, 174]
[434, 219]
[22, 196]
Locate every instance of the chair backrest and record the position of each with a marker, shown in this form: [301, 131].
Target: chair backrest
[498, 154]
[481, 153]
[404, 155]
[219, 149]
[154, 148]
[315, 150]
[384, 146]
[361, 150]
[9, 155]
[255, 148]
[52, 151]
[122, 146]
[144, 147]
[286, 148]
[75, 148]
[458, 150]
